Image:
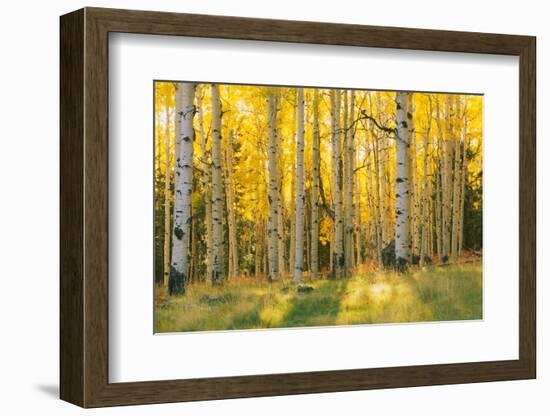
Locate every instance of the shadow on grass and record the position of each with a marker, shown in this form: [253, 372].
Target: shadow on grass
[320, 307]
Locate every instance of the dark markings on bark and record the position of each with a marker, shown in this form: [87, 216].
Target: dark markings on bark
[401, 264]
[176, 282]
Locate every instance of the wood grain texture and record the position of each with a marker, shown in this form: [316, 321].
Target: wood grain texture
[84, 207]
[527, 207]
[71, 213]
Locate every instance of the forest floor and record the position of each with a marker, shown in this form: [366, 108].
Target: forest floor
[433, 293]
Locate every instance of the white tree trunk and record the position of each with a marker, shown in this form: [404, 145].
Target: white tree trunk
[207, 188]
[376, 182]
[281, 219]
[167, 179]
[402, 191]
[383, 162]
[447, 181]
[183, 189]
[315, 187]
[456, 187]
[292, 208]
[413, 188]
[425, 221]
[464, 169]
[300, 197]
[338, 262]
[292, 214]
[349, 176]
[233, 270]
[217, 192]
[273, 195]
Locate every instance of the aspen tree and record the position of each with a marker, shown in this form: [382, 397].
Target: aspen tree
[464, 169]
[377, 205]
[447, 178]
[292, 210]
[206, 183]
[413, 179]
[316, 167]
[300, 197]
[183, 174]
[444, 176]
[281, 201]
[382, 172]
[281, 249]
[349, 176]
[167, 179]
[233, 269]
[217, 198]
[404, 131]
[273, 197]
[424, 221]
[338, 262]
[456, 188]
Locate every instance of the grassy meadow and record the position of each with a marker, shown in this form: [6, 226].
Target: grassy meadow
[434, 293]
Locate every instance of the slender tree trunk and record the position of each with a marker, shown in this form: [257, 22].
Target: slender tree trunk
[273, 197]
[430, 217]
[372, 190]
[447, 180]
[456, 188]
[444, 163]
[167, 179]
[376, 181]
[358, 218]
[292, 214]
[414, 215]
[207, 189]
[281, 223]
[464, 169]
[378, 204]
[382, 162]
[292, 208]
[300, 198]
[350, 179]
[402, 193]
[331, 254]
[307, 227]
[183, 189]
[338, 263]
[424, 220]
[232, 227]
[265, 250]
[194, 269]
[258, 249]
[217, 191]
[438, 204]
[316, 168]
[345, 187]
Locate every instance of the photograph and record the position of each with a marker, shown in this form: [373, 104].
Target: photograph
[300, 206]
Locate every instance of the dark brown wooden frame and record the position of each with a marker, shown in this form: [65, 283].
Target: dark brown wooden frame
[84, 209]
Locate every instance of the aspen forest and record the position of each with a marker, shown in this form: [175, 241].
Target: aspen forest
[284, 207]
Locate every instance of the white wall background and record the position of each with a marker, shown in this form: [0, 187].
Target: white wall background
[29, 158]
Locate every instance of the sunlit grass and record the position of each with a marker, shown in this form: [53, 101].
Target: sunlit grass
[437, 293]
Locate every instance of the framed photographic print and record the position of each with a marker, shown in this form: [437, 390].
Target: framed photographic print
[256, 207]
